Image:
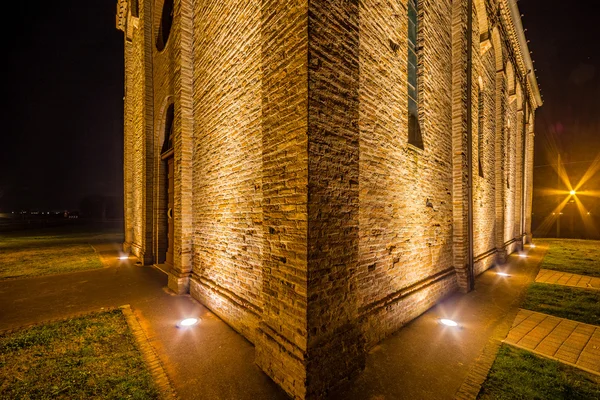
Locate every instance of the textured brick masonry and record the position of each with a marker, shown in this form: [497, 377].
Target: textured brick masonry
[302, 216]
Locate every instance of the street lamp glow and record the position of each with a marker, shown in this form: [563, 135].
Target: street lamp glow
[573, 192]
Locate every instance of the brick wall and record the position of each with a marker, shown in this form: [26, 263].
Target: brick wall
[282, 343]
[227, 161]
[163, 79]
[303, 217]
[139, 133]
[405, 217]
[484, 186]
[335, 343]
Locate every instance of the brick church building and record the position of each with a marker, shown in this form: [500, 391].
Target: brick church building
[320, 172]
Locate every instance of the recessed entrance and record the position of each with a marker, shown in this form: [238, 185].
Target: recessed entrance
[169, 188]
[170, 205]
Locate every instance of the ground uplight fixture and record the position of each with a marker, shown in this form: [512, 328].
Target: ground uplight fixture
[532, 245]
[523, 255]
[503, 274]
[448, 322]
[124, 258]
[187, 322]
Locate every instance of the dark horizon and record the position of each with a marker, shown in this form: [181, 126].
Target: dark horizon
[63, 139]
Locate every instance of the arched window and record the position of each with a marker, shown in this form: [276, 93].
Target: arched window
[164, 29]
[414, 129]
[169, 121]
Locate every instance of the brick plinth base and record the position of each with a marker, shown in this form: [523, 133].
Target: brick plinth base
[179, 282]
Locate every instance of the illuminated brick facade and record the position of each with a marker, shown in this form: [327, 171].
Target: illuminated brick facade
[302, 216]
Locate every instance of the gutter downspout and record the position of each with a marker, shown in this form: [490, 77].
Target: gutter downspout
[470, 266]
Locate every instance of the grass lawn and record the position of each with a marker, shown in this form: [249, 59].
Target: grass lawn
[88, 357]
[47, 252]
[519, 374]
[573, 256]
[578, 304]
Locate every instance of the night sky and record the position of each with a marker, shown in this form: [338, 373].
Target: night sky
[63, 113]
[62, 136]
[565, 40]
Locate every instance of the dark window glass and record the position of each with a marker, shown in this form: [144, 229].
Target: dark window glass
[166, 20]
[414, 130]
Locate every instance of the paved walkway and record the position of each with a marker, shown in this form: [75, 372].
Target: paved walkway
[570, 342]
[424, 360]
[211, 361]
[567, 279]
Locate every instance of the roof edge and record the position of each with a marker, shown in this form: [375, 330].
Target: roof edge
[531, 78]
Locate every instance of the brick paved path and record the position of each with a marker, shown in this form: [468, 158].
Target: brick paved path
[568, 341]
[566, 279]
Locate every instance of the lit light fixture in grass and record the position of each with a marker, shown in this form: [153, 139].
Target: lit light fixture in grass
[186, 323]
[448, 322]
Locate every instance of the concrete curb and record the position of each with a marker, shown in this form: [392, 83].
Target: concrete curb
[479, 372]
[150, 357]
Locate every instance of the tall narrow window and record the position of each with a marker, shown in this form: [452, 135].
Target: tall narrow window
[414, 130]
[480, 128]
